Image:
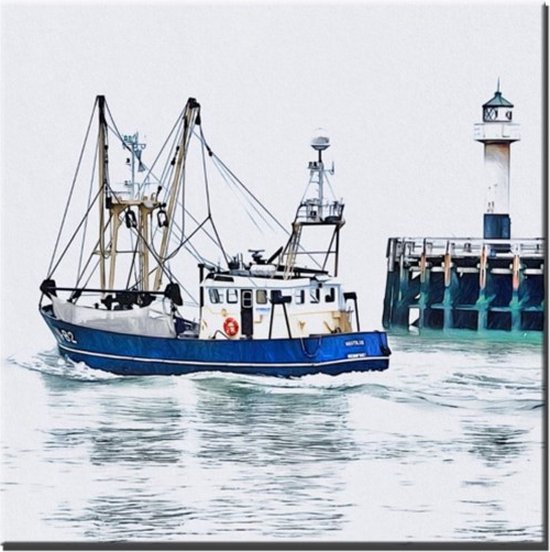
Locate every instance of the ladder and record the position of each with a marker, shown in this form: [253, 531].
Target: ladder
[292, 250]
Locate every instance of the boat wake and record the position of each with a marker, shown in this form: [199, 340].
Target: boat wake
[456, 386]
[53, 364]
[311, 383]
[50, 362]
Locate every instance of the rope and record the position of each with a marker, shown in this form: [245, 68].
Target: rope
[205, 172]
[233, 186]
[239, 186]
[256, 200]
[168, 273]
[237, 180]
[173, 253]
[86, 223]
[81, 274]
[50, 271]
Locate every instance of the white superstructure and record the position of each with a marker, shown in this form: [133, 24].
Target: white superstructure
[238, 306]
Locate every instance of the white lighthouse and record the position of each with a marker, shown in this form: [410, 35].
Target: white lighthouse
[497, 132]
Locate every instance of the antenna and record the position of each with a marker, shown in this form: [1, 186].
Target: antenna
[131, 142]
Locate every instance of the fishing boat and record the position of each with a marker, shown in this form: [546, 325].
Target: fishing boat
[125, 311]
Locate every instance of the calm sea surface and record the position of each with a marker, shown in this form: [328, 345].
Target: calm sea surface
[445, 445]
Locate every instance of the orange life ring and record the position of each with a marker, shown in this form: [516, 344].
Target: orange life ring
[230, 327]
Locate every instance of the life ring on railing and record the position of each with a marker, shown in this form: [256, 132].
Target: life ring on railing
[230, 327]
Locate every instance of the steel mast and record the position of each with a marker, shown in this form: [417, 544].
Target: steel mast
[314, 211]
[190, 118]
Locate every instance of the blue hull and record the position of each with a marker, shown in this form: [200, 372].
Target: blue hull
[140, 355]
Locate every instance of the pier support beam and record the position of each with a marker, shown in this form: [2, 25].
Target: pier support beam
[465, 283]
[515, 306]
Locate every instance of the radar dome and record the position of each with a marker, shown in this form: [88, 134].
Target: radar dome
[320, 140]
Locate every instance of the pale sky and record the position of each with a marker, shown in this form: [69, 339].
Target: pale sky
[398, 86]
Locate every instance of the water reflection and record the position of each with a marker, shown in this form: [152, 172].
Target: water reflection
[499, 529]
[282, 449]
[263, 426]
[235, 457]
[144, 430]
[129, 516]
[495, 444]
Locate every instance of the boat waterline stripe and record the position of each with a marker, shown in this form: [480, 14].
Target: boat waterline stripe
[239, 364]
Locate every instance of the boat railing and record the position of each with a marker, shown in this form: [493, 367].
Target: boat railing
[313, 210]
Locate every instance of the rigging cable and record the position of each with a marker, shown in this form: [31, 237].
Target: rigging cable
[183, 242]
[194, 303]
[168, 167]
[90, 257]
[116, 131]
[186, 241]
[94, 250]
[203, 143]
[166, 170]
[86, 223]
[133, 265]
[237, 180]
[233, 186]
[230, 172]
[195, 220]
[168, 273]
[92, 272]
[50, 271]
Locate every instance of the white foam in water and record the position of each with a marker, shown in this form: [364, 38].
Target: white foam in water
[308, 384]
[53, 364]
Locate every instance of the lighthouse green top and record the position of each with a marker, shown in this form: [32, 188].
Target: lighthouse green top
[498, 101]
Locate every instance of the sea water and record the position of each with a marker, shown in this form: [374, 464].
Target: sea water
[446, 445]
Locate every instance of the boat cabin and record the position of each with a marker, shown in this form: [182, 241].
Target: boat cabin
[248, 306]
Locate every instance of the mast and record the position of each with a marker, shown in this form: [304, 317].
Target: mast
[144, 214]
[114, 243]
[190, 118]
[103, 197]
[315, 211]
[118, 207]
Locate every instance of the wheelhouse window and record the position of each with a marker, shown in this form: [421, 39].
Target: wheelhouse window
[261, 297]
[215, 295]
[232, 296]
[330, 295]
[247, 298]
[314, 295]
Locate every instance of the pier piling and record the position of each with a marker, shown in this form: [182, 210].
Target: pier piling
[465, 283]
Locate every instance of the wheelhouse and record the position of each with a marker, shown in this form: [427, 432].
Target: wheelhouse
[251, 307]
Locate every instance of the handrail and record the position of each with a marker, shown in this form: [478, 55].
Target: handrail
[414, 247]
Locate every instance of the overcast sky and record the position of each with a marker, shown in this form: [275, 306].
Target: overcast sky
[398, 86]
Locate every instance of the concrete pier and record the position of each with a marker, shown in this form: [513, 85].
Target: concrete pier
[465, 283]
